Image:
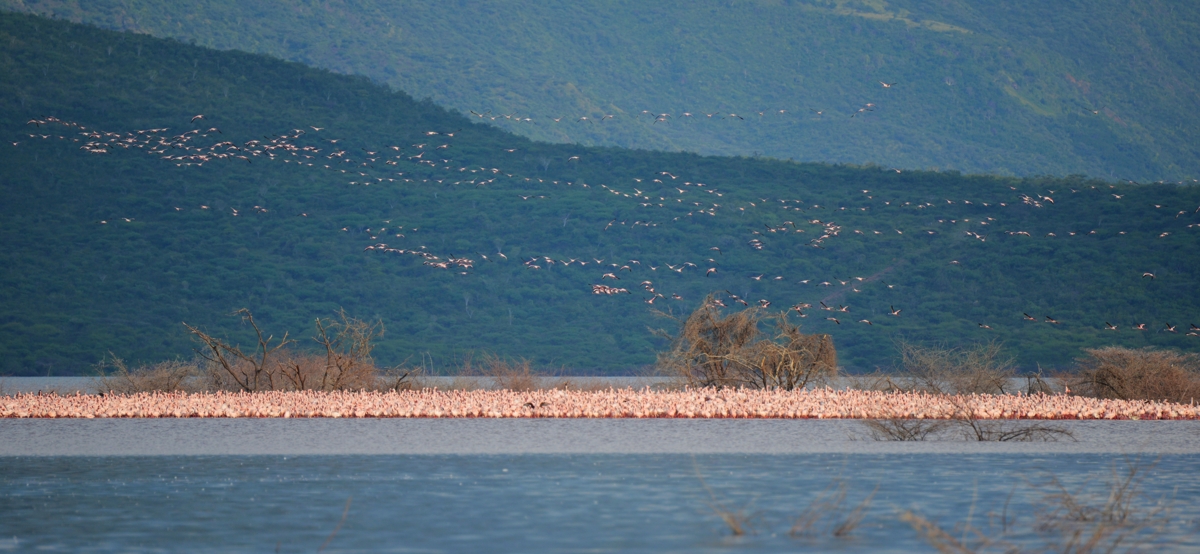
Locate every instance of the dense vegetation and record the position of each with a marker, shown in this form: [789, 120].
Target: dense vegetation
[1105, 89]
[206, 237]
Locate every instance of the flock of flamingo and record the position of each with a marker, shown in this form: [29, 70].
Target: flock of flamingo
[664, 196]
[819, 403]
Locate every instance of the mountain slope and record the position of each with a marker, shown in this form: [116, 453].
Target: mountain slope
[123, 215]
[1104, 89]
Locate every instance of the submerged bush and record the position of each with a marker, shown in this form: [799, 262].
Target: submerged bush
[715, 350]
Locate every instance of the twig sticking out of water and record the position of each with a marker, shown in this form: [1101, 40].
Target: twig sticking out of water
[829, 504]
[855, 516]
[1078, 522]
[824, 503]
[737, 521]
[937, 537]
[345, 512]
[1090, 526]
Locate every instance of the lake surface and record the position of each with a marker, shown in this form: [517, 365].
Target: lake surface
[546, 502]
[481, 436]
[553, 485]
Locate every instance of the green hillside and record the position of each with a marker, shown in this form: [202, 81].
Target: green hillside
[1105, 89]
[121, 217]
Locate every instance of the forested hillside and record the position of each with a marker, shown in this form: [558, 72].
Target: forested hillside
[1105, 89]
[299, 191]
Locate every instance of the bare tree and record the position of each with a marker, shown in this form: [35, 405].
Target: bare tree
[250, 371]
[347, 342]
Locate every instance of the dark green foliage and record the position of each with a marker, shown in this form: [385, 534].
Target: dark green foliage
[73, 289]
[1104, 88]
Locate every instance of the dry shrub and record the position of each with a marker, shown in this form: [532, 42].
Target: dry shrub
[171, 376]
[398, 378]
[955, 373]
[1145, 374]
[217, 376]
[346, 362]
[343, 361]
[1036, 383]
[875, 381]
[463, 383]
[313, 371]
[513, 376]
[978, 369]
[712, 350]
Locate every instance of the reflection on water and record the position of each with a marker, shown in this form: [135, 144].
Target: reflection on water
[544, 503]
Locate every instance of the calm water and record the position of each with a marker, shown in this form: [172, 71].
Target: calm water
[547, 485]
[541, 502]
[194, 437]
[62, 385]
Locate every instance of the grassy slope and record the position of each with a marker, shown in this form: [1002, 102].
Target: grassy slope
[72, 289]
[997, 89]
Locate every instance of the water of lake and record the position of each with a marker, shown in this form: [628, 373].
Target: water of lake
[554, 485]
